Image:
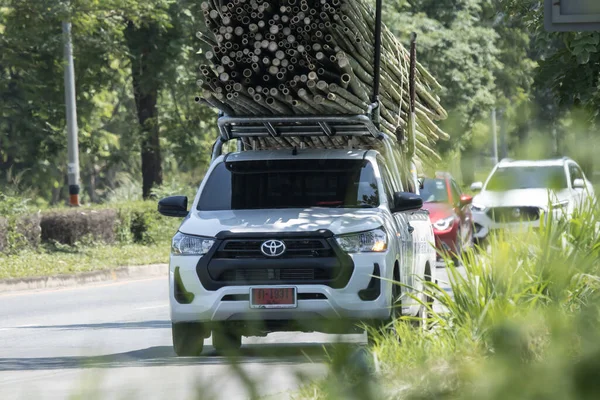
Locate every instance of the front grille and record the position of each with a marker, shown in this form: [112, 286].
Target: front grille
[514, 214]
[311, 257]
[273, 274]
[251, 248]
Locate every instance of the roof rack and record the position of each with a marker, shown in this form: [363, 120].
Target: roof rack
[276, 126]
[314, 131]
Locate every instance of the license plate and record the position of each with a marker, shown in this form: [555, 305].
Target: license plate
[273, 297]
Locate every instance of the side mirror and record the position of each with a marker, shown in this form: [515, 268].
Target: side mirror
[579, 184]
[465, 199]
[476, 186]
[174, 206]
[404, 201]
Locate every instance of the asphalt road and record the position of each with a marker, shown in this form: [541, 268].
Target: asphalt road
[113, 341]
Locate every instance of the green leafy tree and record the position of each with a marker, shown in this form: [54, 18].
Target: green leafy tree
[134, 66]
[460, 51]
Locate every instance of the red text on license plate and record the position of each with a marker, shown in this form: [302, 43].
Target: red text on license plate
[273, 296]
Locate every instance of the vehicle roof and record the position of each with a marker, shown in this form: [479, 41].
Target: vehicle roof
[302, 154]
[534, 163]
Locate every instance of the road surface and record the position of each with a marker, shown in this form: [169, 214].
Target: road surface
[113, 341]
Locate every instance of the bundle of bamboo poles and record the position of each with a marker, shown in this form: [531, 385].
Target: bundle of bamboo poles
[289, 57]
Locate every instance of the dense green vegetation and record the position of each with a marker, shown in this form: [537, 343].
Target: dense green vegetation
[63, 240]
[136, 69]
[523, 323]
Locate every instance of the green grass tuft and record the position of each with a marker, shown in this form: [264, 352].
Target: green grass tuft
[59, 259]
[523, 323]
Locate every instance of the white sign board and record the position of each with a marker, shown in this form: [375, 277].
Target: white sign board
[572, 15]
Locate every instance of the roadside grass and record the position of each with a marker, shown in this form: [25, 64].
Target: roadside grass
[52, 260]
[523, 323]
[139, 236]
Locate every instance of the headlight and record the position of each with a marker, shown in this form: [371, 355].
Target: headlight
[478, 207]
[187, 245]
[364, 242]
[443, 224]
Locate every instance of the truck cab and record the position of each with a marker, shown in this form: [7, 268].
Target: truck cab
[296, 239]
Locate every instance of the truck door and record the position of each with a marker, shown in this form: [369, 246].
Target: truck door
[423, 251]
[403, 229]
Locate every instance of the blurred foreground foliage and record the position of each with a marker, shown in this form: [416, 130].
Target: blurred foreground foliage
[523, 323]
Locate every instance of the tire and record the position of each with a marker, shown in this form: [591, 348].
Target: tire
[188, 339]
[226, 341]
[396, 312]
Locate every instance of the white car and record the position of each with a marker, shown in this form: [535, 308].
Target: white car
[305, 240]
[518, 193]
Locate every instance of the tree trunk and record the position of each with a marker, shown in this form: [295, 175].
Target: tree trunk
[146, 86]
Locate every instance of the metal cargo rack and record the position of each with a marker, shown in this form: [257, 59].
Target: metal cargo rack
[287, 132]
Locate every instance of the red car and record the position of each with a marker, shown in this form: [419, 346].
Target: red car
[449, 213]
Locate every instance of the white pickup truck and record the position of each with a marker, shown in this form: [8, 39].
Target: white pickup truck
[301, 239]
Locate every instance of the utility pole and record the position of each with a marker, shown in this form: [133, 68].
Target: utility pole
[71, 106]
[503, 136]
[494, 137]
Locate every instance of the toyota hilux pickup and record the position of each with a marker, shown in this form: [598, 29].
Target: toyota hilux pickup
[300, 239]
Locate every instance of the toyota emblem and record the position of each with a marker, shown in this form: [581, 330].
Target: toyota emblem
[273, 248]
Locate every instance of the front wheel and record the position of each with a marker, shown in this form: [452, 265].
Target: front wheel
[387, 326]
[188, 339]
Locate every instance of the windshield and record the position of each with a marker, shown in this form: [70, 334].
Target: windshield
[534, 177]
[434, 191]
[264, 184]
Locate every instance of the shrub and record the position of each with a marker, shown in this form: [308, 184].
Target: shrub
[131, 222]
[29, 229]
[3, 233]
[17, 228]
[140, 222]
[70, 226]
[12, 205]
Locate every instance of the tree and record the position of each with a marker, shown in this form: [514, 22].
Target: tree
[459, 49]
[135, 89]
[32, 135]
[566, 85]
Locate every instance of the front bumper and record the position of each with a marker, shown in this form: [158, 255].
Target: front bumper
[483, 225]
[315, 301]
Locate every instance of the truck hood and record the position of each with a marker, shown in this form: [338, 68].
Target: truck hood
[520, 197]
[337, 220]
